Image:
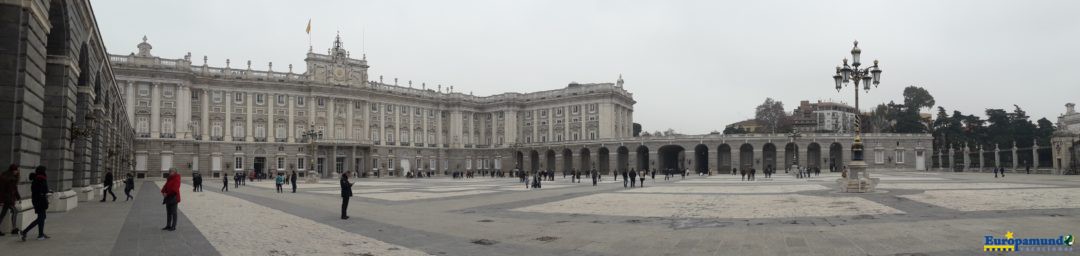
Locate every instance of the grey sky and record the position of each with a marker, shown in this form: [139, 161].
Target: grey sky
[692, 65]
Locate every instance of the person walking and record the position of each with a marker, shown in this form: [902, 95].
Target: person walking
[279, 181]
[346, 193]
[743, 172]
[39, 197]
[625, 179]
[594, 177]
[642, 179]
[129, 185]
[633, 178]
[9, 194]
[292, 178]
[995, 173]
[108, 187]
[171, 192]
[225, 178]
[196, 180]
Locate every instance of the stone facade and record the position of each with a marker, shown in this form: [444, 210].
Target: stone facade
[227, 119]
[62, 106]
[721, 153]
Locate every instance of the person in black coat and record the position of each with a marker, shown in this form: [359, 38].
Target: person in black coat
[39, 197]
[625, 178]
[129, 185]
[292, 178]
[225, 179]
[108, 187]
[346, 193]
[633, 178]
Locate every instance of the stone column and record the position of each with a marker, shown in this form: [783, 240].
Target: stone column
[1015, 160]
[997, 157]
[130, 100]
[511, 125]
[967, 157]
[331, 116]
[271, 129]
[155, 111]
[205, 115]
[249, 100]
[227, 131]
[982, 163]
[183, 111]
[290, 101]
[349, 134]
[455, 129]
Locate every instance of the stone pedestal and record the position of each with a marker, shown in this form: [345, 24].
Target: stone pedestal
[858, 179]
[312, 177]
[86, 194]
[63, 201]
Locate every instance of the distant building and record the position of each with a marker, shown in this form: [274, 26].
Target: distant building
[824, 117]
[1065, 145]
[749, 125]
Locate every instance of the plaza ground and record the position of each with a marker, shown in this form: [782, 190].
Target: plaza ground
[912, 213]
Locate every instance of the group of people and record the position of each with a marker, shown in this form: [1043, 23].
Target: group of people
[281, 180]
[631, 177]
[39, 197]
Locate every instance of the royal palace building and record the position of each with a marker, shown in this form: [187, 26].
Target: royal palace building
[333, 118]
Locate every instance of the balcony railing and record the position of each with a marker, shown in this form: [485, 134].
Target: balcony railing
[216, 138]
[280, 140]
[143, 135]
[168, 135]
[260, 139]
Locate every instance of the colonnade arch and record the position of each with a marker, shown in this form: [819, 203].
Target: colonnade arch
[671, 157]
[723, 158]
[701, 158]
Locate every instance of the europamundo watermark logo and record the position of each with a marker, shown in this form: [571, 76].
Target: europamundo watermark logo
[1009, 243]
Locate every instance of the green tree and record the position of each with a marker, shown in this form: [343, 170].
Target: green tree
[772, 115]
[637, 129]
[918, 98]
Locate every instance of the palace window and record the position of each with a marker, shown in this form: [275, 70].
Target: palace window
[167, 91]
[238, 129]
[216, 96]
[281, 100]
[300, 100]
[260, 99]
[238, 163]
[300, 163]
[321, 101]
[879, 157]
[238, 97]
[215, 129]
[167, 125]
[260, 131]
[144, 90]
[142, 125]
[899, 156]
[280, 131]
[281, 163]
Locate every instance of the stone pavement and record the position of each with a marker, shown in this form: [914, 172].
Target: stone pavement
[915, 213]
[142, 234]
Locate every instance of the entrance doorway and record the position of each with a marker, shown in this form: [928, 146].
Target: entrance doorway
[259, 166]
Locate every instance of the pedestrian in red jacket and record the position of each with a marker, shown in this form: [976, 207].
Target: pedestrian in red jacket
[171, 192]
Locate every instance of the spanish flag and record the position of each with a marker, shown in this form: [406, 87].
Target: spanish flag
[308, 26]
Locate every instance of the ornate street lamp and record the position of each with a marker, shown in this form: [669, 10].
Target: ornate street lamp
[310, 136]
[853, 75]
[856, 179]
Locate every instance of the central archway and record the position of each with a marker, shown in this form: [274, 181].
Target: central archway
[643, 157]
[534, 161]
[603, 156]
[671, 157]
[519, 160]
[568, 160]
[623, 159]
[746, 157]
[701, 158]
[813, 155]
[586, 160]
[836, 157]
[723, 155]
[550, 161]
[768, 156]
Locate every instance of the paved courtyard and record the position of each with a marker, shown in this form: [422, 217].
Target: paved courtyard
[913, 213]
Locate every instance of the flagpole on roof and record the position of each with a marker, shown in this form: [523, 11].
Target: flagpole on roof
[308, 30]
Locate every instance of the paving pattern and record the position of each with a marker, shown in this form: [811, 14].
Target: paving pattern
[913, 213]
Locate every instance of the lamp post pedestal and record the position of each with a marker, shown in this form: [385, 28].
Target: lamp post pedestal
[311, 177]
[857, 179]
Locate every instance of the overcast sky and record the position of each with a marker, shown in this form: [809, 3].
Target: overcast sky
[694, 66]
